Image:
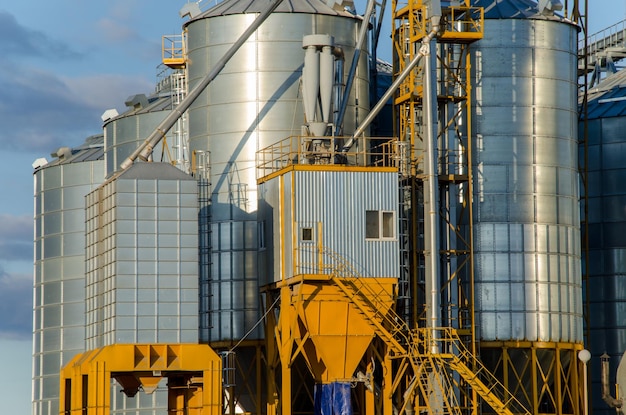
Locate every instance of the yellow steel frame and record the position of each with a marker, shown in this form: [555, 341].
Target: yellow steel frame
[544, 376]
[249, 372]
[193, 371]
[461, 25]
[174, 50]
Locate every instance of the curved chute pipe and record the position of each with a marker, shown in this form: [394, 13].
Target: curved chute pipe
[145, 149]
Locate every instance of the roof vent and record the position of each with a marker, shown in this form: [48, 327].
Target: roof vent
[40, 162]
[190, 10]
[137, 102]
[62, 153]
[548, 7]
[109, 114]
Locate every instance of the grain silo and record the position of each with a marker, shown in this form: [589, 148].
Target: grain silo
[141, 270]
[123, 133]
[59, 284]
[254, 102]
[526, 217]
[606, 198]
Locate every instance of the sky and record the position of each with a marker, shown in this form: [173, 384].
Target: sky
[63, 64]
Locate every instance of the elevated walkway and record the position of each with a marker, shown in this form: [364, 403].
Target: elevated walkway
[604, 49]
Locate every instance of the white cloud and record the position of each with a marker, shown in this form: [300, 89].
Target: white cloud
[107, 91]
[115, 32]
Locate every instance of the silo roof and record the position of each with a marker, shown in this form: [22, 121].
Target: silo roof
[508, 9]
[229, 7]
[91, 150]
[149, 170]
[608, 99]
[156, 103]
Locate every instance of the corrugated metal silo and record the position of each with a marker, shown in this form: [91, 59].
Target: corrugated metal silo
[606, 196]
[141, 277]
[253, 103]
[125, 132]
[526, 217]
[59, 286]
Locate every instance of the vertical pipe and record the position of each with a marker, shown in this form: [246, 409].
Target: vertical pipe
[431, 185]
[338, 87]
[326, 81]
[310, 82]
[355, 60]
[431, 194]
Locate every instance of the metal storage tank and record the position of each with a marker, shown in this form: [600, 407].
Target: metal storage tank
[142, 267]
[59, 286]
[123, 133]
[526, 219]
[606, 197]
[253, 103]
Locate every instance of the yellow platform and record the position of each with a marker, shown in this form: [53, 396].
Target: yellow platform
[194, 373]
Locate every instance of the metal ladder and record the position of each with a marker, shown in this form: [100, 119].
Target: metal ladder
[203, 177]
[415, 345]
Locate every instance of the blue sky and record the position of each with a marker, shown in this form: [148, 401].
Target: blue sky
[63, 64]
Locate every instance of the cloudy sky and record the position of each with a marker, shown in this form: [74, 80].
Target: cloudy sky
[63, 63]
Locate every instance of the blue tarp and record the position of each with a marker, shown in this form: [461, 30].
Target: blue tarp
[333, 399]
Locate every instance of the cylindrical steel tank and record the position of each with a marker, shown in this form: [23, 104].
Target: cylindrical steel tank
[253, 103]
[528, 291]
[59, 277]
[606, 197]
[526, 217]
[125, 132]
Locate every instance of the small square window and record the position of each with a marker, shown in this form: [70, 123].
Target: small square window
[306, 234]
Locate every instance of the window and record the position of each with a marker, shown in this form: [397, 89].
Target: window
[372, 225]
[261, 235]
[306, 234]
[379, 224]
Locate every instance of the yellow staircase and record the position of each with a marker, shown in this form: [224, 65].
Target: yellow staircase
[415, 346]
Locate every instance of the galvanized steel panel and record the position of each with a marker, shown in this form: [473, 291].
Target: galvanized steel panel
[338, 201]
[59, 286]
[125, 133]
[124, 252]
[526, 219]
[607, 223]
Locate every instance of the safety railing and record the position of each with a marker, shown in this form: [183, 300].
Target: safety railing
[452, 351]
[173, 50]
[428, 350]
[305, 150]
[612, 36]
[463, 24]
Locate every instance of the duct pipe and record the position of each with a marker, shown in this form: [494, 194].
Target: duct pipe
[431, 195]
[145, 149]
[424, 50]
[326, 81]
[355, 61]
[338, 85]
[310, 82]
[606, 392]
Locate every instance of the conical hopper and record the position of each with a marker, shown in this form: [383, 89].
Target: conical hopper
[339, 324]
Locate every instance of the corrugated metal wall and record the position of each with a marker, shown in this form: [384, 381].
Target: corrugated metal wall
[331, 206]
